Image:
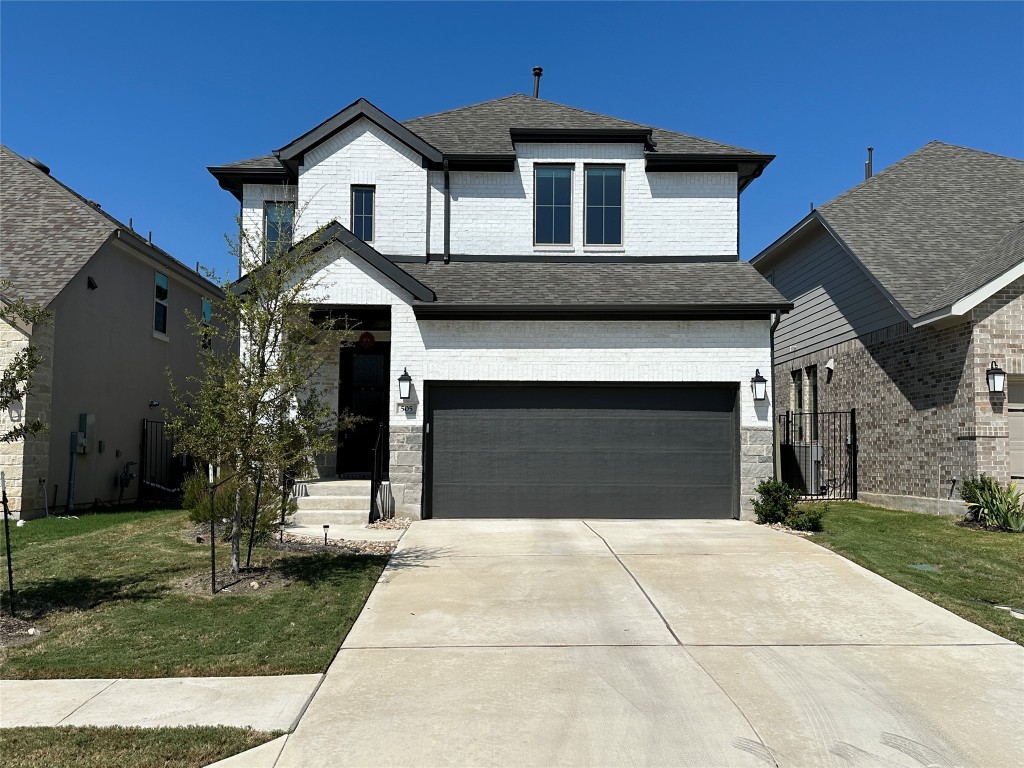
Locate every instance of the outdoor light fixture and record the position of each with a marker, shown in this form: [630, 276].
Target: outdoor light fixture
[405, 385]
[996, 378]
[154, 403]
[325, 533]
[759, 384]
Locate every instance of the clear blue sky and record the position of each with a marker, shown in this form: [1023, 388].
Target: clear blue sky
[129, 102]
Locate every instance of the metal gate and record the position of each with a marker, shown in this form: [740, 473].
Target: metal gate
[160, 473]
[818, 453]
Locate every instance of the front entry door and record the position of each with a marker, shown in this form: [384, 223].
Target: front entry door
[363, 391]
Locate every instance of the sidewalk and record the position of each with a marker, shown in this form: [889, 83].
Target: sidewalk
[261, 703]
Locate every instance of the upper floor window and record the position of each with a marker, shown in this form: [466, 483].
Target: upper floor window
[160, 303]
[603, 215]
[207, 312]
[362, 213]
[206, 331]
[279, 218]
[553, 205]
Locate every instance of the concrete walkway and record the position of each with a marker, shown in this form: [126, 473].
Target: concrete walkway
[655, 643]
[262, 703]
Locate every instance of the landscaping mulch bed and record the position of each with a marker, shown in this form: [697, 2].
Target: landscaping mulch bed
[14, 631]
[340, 546]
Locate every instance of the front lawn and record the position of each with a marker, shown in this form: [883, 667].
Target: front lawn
[125, 747]
[109, 588]
[975, 569]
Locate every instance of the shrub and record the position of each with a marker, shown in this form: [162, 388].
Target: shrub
[992, 505]
[806, 518]
[775, 503]
[197, 502]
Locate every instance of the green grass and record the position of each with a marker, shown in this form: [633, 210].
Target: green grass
[105, 585]
[124, 747]
[977, 569]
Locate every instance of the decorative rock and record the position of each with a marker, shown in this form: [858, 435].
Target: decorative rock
[254, 584]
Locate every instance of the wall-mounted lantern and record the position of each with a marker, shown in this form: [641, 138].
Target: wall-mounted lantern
[405, 385]
[996, 378]
[759, 385]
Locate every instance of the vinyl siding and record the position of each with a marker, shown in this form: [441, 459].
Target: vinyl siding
[834, 301]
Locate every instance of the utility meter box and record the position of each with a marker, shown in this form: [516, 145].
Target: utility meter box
[77, 442]
[87, 430]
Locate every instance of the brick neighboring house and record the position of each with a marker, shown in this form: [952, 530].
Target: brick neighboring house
[564, 292]
[911, 284]
[118, 305]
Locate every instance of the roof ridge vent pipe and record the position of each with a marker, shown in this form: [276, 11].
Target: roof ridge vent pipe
[39, 164]
[869, 166]
[538, 72]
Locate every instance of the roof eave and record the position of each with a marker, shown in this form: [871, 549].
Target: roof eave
[959, 309]
[623, 311]
[233, 179]
[746, 166]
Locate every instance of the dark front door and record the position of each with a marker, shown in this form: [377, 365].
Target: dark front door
[364, 392]
[514, 450]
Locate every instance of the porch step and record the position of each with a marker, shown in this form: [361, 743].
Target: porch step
[336, 518]
[332, 488]
[360, 501]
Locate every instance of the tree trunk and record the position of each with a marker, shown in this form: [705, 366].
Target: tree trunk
[255, 517]
[236, 531]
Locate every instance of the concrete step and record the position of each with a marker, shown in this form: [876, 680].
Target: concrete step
[362, 501]
[334, 488]
[317, 518]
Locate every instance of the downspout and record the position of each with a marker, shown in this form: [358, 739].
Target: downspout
[447, 215]
[775, 421]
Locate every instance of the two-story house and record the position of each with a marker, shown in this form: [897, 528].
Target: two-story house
[553, 319]
[119, 323]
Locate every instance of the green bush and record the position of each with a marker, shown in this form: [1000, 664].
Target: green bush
[775, 503]
[806, 518]
[992, 505]
[197, 502]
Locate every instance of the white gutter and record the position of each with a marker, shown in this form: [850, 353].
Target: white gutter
[960, 308]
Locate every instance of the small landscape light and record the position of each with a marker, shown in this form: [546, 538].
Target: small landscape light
[405, 385]
[759, 384]
[996, 378]
[326, 526]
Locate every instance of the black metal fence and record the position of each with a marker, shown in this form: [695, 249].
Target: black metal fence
[160, 472]
[379, 475]
[818, 453]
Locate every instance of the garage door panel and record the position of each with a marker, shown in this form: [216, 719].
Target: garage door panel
[535, 501]
[582, 451]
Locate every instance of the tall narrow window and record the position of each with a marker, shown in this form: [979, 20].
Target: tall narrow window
[797, 402]
[362, 213]
[604, 206]
[160, 304]
[206, 332]
[812, 401]
[279, 220]
[552, 205]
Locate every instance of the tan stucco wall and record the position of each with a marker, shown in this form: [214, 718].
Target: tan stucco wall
[108, 363]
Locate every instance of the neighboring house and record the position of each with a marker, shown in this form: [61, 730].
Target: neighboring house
[564, 292]
[119, 325]
[907, 288]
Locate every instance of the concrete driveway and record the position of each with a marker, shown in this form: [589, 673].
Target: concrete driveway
[654, 643]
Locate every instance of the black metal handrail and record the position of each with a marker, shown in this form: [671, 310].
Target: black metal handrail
[379, 471]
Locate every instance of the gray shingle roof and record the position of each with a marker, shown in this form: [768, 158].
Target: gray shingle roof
[577, 284]
[935, 226]
[47, 232]
[261, 163]
[484, 128]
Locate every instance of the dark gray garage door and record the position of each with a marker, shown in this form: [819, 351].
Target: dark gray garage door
[514, 450]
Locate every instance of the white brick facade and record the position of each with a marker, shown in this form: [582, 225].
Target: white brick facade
[664, 214]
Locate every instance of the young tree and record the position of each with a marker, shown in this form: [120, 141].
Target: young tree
[16, 377]
[254, 411]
